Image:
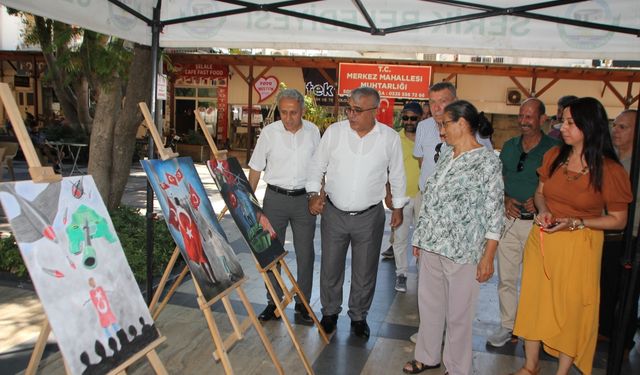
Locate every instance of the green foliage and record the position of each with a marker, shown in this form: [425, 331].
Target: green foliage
[131, 229]
[317, 114]
[10, 258]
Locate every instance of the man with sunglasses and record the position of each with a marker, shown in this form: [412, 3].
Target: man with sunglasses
[411, 114]
[356, 158]
[521, 156]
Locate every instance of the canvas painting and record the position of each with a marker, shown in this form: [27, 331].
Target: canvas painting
[79, 271]
[245, 210]
[193, 224]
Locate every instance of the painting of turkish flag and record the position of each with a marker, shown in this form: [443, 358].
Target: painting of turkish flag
[385, 112]
[193, 224]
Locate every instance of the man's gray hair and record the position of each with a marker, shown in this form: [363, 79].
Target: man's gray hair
[444, 85]
[291, 94]
[366, 91]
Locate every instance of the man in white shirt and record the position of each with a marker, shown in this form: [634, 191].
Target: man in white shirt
[356, 158]
[284, 152]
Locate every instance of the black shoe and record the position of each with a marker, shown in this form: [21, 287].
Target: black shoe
[360, 328]
[329, 322]
[269, 313]
[302, 315]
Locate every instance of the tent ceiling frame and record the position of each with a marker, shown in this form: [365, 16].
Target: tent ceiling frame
[485, 11]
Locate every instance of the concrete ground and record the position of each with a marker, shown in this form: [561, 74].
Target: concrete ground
[188, 349]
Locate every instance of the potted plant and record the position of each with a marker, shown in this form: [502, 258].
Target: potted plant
[194, 144]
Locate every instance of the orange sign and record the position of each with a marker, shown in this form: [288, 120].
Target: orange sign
[391, 81]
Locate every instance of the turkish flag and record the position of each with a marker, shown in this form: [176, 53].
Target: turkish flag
[385, 112]
[193, 196]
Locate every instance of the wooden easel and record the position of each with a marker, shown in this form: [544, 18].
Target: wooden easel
[288, 294]
[239, 328]
[39, 173]
[287, 297]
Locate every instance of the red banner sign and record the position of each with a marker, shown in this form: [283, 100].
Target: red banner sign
[391, 81]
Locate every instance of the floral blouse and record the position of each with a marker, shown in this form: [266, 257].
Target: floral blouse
[463, 206]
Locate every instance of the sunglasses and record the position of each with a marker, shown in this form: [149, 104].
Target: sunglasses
[436, 156]
[520, 165]
[409, 118]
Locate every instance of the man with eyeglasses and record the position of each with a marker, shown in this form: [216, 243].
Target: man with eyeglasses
[356, 158]
[521, 156]
[284, 152]
[411, 114]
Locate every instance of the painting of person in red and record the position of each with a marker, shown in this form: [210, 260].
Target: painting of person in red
[103, 308]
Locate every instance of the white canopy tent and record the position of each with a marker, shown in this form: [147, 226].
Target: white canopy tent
[585, 29]
[591, 29]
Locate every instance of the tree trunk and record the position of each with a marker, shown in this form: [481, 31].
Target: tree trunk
[67, 102]
[138, 90]
[81, 88]
[100, 151]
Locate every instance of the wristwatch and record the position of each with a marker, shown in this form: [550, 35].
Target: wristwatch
[581, 224]
[312, 194]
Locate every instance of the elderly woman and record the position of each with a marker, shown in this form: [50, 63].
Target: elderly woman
[460, 222]
[583, 190]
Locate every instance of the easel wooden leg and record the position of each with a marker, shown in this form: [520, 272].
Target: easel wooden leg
[285, 320]
[155, 362]
[303, 298]
[220, 351]
[38, 349]
[175, 286]
[165, 277]
[232, 317]
[261, 333]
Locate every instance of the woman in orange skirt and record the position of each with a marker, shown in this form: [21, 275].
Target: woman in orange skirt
[583, 190]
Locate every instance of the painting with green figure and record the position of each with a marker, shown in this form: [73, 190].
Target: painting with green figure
[86, 225]
[79, 270]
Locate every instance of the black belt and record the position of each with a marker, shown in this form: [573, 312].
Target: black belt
[353, 213]
[526, 216]
[287, 192]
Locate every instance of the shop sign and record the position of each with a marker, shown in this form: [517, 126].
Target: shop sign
[201, 74]
[391, 81]
[266, 86]
[317, 85]
[161, 87]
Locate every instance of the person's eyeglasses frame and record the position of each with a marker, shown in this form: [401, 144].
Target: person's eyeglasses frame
[357, 111]
[446, 123]
[409, 118]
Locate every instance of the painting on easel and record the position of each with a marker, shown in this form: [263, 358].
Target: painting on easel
[193, 224]
[80, 272]
[245, 210]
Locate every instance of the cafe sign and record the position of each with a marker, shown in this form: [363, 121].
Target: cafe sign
[391, 81]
